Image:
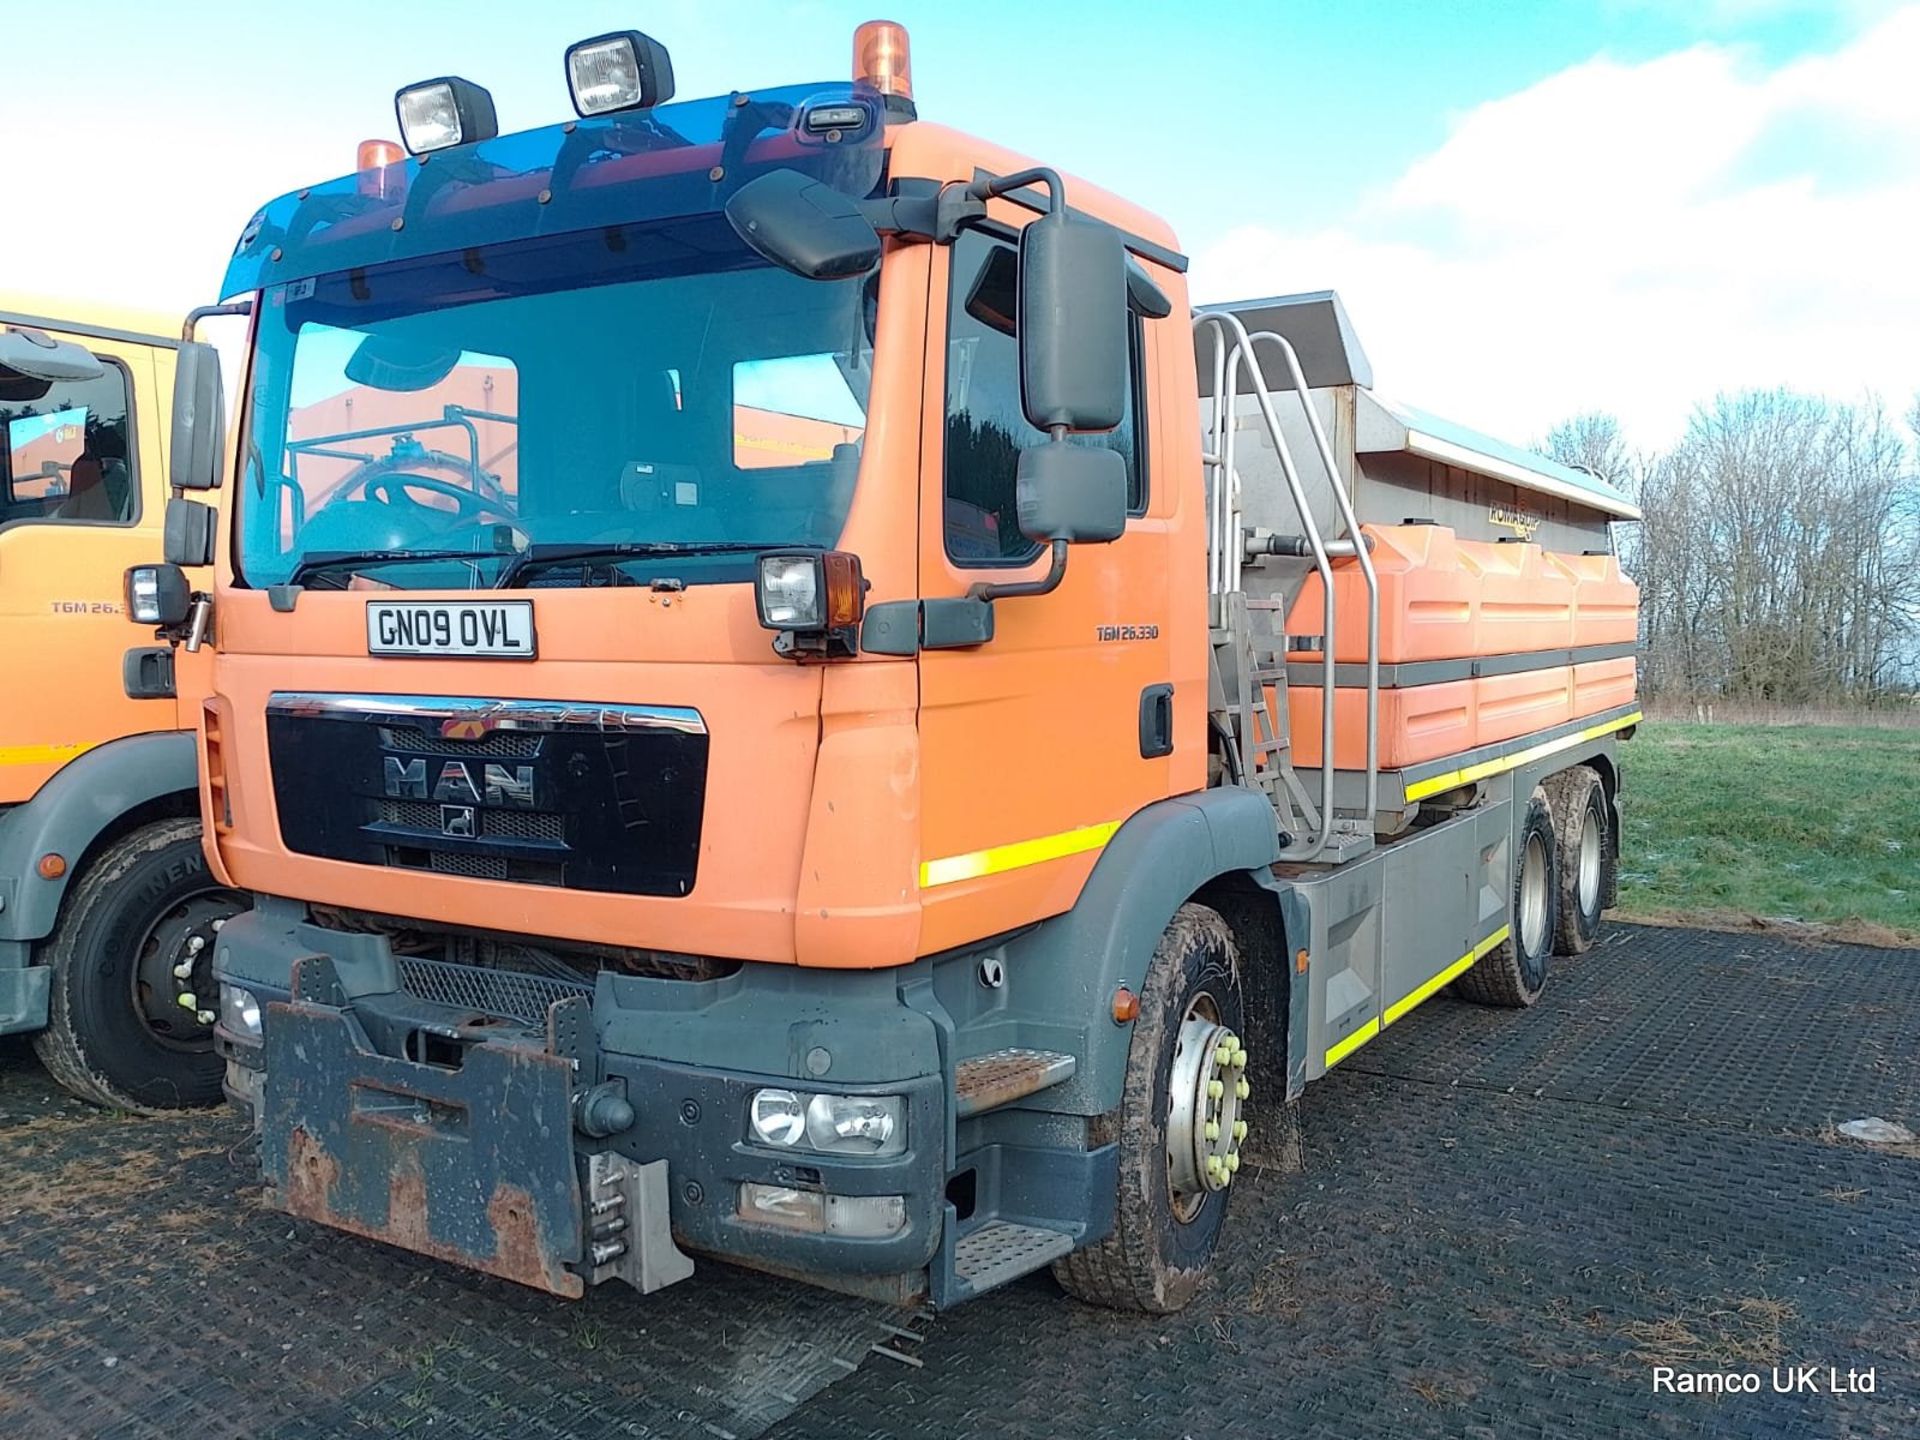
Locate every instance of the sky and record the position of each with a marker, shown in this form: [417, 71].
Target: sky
[1530, 208]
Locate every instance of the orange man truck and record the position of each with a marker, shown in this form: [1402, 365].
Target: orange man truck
[783, 697]
[107, 910]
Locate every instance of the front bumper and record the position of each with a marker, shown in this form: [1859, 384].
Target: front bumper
[460, 1135]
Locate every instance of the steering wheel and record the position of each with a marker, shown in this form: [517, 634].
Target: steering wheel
[468, 507]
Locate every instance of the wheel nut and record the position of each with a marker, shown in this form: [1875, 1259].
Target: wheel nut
[183, 970]
[1239, 1059]
[206, 1017]
[1215, 1089]
[188, 1000]
[1239, 1130]
[1233, 1163]
[1223, 1055]
[196, 944]
[1241, 1088]
[1211, 1130]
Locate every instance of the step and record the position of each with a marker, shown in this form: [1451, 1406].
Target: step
[986, 1082]
[1002, 1250]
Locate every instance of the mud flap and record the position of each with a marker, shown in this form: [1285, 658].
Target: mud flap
[474, 1166]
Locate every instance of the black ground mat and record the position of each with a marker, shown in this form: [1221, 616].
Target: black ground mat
[1746, 1029]
[1505, 1223]
[144, 1292]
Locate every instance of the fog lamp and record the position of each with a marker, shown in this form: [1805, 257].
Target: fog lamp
[437, 114]
[867, 1216]
[240, 1012]
[622, 71]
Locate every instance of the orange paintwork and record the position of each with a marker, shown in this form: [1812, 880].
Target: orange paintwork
[1444, 598]
[829, 784]
[63, 626]
[1427, 722]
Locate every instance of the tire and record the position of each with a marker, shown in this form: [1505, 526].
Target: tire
[1163, 1240]
[1580, 822]
[1514, 972]
[110, 1037]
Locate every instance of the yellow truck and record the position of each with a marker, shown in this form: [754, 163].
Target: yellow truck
[107, 909]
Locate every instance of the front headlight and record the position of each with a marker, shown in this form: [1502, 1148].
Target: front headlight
[239, 1012]
[830, 1124]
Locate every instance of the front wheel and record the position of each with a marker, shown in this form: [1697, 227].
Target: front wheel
[1179, 1122]
[130, 1020]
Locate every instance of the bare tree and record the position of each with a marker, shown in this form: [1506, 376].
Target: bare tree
[1779, 559]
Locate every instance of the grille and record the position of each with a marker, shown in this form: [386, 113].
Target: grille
[505, 994]
[476, 867]
[424, 815]
[500, 745]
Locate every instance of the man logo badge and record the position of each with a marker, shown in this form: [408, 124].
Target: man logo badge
[457, 821]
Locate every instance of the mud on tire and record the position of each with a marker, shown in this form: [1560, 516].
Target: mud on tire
[1155, 1261]
[1581, 820]
[97, 1043]
[1514, 972]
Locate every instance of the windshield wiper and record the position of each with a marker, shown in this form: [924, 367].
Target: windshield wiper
[546, 557]
[319, 560]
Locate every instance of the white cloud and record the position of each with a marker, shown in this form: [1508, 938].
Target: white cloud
[1634, 237]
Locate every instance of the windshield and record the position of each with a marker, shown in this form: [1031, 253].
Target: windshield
[649, 387]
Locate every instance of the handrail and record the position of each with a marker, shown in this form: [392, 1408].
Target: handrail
[1360, 554]
[1225, 573]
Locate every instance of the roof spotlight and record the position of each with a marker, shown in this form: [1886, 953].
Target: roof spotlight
[438, 114]
[621, 71]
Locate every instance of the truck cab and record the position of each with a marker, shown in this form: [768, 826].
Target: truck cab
[718, 702]
[102, 886]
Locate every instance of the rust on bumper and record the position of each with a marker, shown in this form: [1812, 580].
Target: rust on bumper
[473, 1166]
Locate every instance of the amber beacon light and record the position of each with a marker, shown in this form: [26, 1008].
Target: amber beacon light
[880, 59]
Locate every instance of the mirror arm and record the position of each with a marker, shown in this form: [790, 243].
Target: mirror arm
[989, 186]
[1012, 590]
[203, 312]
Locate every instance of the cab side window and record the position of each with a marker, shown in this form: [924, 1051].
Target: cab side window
[986, 430]
[68, 456]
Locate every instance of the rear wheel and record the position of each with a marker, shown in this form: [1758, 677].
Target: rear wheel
[1179, 1123]
[1514, 972]
[1586, 857]
[132, 959]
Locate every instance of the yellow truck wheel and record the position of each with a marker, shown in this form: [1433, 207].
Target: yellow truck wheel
[130, 1012]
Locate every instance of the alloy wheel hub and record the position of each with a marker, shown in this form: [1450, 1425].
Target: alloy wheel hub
[1207, 1088]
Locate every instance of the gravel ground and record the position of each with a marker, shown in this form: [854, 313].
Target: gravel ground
[1504, 1224]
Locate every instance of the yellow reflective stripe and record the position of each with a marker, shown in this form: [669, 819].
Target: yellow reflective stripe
[1343, 1048]
[1446, 977]
[1454, 779]
[1020, 853]
[42, 754]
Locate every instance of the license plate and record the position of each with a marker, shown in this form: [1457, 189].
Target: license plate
[493, 629]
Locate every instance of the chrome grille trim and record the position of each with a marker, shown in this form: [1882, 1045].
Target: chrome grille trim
[486, 715]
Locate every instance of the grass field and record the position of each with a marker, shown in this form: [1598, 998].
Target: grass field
[1814, 824]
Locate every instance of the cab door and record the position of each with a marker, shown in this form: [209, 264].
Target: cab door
[1037, 745]
[82, 495]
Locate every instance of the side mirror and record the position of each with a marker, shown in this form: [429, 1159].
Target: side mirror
[1073, 324]
[188, 537]
[199, 420]
[1076, 493]
[804, 226]
[158, 595]
[35, 356]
